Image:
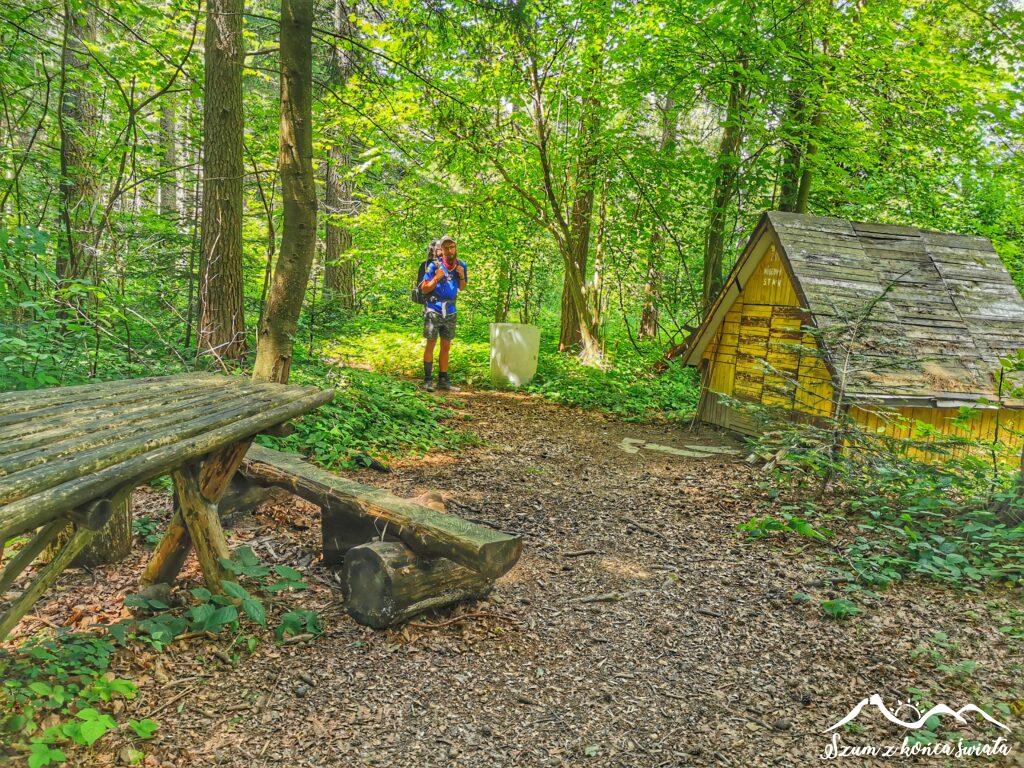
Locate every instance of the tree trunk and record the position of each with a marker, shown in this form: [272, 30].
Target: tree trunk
[666, 147]
[339, 269]
[77, 114]
[726, 174]
[573, 295]
[577, 326]
[111, 544]
[298, 192]
[806, 175]
[385, 583]
[793, 157]
[169, 175]
[221, 330]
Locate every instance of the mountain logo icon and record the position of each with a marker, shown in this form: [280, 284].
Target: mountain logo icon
[939, 709]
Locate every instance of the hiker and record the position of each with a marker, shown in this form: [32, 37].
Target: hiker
[443, 278]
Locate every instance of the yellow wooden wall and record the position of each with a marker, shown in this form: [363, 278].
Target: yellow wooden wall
[763, 326]
[982, 425]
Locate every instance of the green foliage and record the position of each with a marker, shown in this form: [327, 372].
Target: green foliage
[371, 416]
[625, 385]
[628, 388]
[840, 608]
[243, 562]
[298, 623]
[758, 527]
[64, 676]
[929, 519]
[290, 579]
[145, 728]
[42, 754]
[146, 529]
[216, 614]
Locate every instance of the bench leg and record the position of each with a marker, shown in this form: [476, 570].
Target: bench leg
[205, 487]
[44, 579]
[203, 523]
[30, 551]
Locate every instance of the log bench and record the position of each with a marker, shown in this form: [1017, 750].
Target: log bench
[399, 557]
[69, 456]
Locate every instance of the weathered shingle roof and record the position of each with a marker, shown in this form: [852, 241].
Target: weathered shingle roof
[933, 312]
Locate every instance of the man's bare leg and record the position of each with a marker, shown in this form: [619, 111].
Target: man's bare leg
[428, 362]
[442, 364]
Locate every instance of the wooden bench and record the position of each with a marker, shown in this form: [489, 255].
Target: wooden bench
[69, 456]
[400, 557]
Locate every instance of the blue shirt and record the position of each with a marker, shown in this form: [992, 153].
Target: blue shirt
[442, 300]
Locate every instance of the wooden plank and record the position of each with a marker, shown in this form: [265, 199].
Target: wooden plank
[24, 436]
[200, 516]
[73, 418]
[30, 551]
[29, 406]
[95, 434]
[214, 477]
[32, 511]
[38, 478]
[44, 580]
[426, 531]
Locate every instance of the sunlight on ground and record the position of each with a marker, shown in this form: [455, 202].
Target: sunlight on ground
[624, 568]
[400, 352]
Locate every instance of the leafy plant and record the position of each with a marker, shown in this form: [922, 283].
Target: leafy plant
[298, 623]
[243, 562]
[66, 677]
[372, 416]
[760, 526]
[213, 613]
[146, 529]
[42, 754]
[145, 728]
[840, 608]
[290, 579]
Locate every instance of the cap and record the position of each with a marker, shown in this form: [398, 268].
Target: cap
[446, 239]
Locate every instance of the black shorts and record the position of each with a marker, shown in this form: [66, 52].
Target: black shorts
[435, 325]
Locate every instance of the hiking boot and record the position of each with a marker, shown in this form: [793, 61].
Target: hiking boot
[428, 385]
[443, 383]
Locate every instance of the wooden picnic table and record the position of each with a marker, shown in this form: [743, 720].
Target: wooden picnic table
[69, 456]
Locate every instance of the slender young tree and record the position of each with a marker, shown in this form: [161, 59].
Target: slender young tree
[169, 172]
[339, 269]
[666, 148]
[76, 258]
[77, 115]
[727, 169]
[298, 190]
[221, 329]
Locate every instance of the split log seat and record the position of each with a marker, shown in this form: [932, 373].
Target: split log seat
[400, 558]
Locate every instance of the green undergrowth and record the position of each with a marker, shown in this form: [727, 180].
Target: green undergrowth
[626, 384]
[879, 517]
[372, 417]
[59, 694]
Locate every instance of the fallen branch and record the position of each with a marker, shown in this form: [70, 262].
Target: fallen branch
[608, 597]
[166, 704]
[461, 619]
[581, 553]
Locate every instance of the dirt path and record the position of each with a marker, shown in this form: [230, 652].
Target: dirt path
[638, 630]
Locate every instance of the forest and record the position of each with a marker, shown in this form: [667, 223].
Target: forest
[248, 189]
[600, 164]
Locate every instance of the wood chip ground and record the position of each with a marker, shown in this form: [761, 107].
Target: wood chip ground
[639, 629]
